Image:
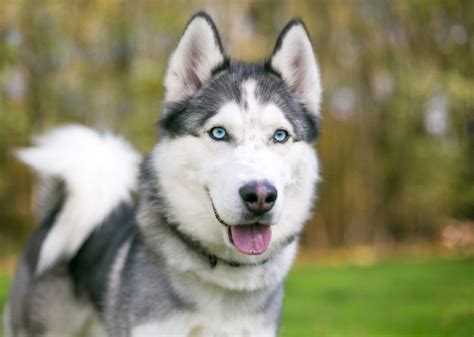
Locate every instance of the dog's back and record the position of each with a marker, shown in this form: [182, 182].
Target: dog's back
[85, 213]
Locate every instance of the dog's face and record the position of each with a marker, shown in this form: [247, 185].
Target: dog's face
[235, 163]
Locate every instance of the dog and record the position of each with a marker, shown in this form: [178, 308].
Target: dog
[195, 238]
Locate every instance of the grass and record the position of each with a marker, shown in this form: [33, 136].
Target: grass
[4, 288]
[432, 298]
[395, 298]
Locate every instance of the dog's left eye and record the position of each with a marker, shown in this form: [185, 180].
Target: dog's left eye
[280, 136]
[218, 133]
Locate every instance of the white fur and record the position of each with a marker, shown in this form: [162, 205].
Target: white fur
[244, 278]
[224, 323]
[296, 62]
[188, 166]
[213, 298]
[114, 282]
[188, 325]
[116, 272]
[99, 172]
[197, 54]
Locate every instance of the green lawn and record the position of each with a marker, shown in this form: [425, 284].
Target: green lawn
[430, 298]
[4, 287]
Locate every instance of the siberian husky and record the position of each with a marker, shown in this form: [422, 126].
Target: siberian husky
[196, 238]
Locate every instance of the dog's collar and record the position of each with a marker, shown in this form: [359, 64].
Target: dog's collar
[211, 258]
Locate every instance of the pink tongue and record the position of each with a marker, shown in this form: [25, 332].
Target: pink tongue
[251, 239]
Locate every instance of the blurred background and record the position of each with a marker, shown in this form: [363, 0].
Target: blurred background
[397, 145]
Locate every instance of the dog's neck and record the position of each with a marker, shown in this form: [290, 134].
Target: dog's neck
[184, 254]
[195, 246]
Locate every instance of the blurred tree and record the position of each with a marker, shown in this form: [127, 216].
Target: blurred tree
[397, 147]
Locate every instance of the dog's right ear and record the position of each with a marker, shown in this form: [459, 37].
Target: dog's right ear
[294, 60]
[199, 52]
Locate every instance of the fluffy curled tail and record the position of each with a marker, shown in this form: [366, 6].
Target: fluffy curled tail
[92, 173]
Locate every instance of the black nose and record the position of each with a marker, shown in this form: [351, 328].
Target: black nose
[258, 196]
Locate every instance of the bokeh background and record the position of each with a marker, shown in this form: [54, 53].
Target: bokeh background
[397, 145]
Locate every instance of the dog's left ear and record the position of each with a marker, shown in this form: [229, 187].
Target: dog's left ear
[293, 58]
[199, 52]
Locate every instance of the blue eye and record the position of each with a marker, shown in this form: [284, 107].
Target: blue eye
[280, 136]
[218, 133]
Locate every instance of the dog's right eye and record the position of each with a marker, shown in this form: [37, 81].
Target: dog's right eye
[218, 133]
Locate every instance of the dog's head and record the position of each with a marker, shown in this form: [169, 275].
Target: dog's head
[235, 164]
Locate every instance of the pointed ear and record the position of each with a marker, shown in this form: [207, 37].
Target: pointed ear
[293, 58]
[198, 53]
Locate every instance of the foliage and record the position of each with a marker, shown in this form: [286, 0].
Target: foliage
[397, 146]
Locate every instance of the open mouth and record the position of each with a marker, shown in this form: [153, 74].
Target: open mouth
[249, 239]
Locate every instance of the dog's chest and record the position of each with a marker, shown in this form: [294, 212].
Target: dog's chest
[200, 325]
[215, 312]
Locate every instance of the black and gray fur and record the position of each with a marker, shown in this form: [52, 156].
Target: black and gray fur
[186, 117]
